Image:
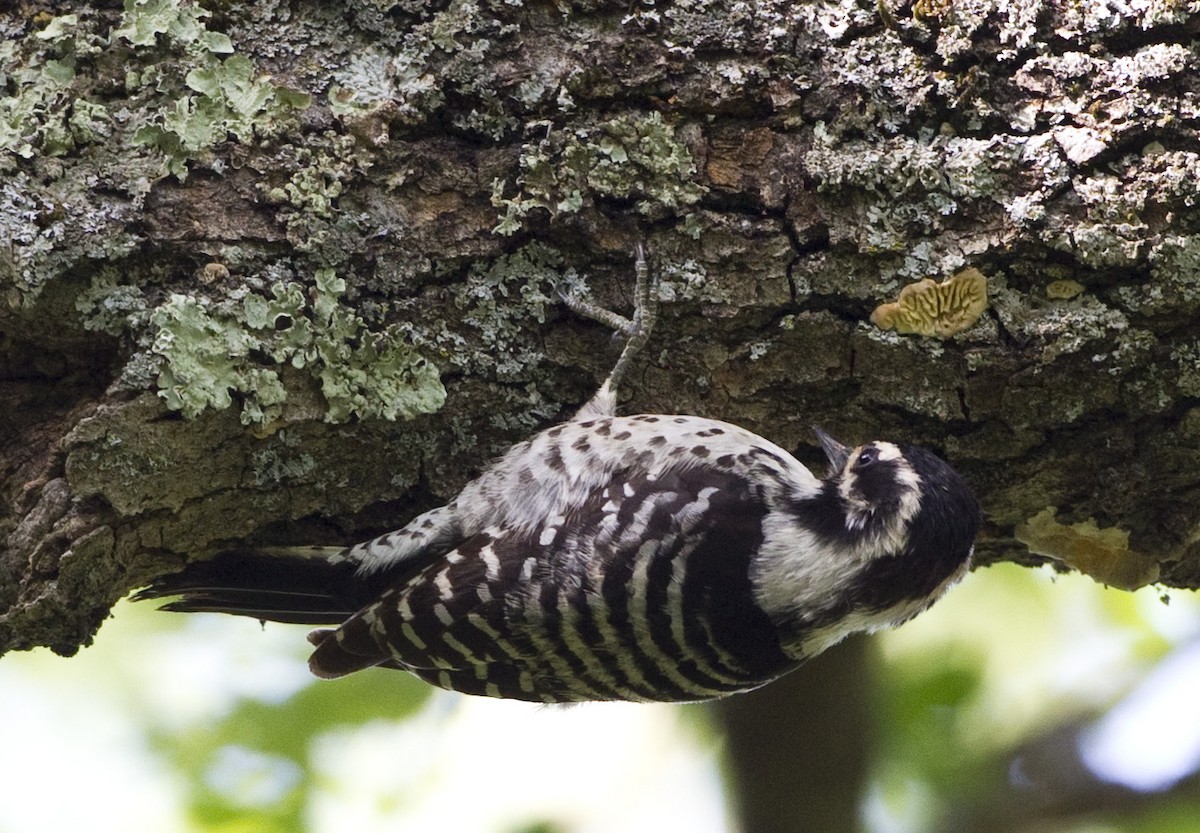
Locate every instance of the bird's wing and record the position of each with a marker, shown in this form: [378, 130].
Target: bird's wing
[639, 591]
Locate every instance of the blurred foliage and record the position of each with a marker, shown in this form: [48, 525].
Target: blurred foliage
[1011, 660]
[233, 735]
[251, 770]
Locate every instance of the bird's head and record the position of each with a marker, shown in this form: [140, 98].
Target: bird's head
[875, 485]
[901, 496]
[882, 535]
[890, 527]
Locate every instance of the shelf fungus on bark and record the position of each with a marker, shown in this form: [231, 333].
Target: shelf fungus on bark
[1063, 290]
[1103, 554]
[929, 308]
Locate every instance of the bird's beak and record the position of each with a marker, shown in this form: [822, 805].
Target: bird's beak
[837, 453]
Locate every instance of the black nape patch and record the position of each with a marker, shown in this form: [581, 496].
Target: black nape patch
[825, 514]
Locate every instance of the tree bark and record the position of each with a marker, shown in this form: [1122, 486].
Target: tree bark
[287, 271]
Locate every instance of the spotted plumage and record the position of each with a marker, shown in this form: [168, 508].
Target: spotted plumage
[649, 558]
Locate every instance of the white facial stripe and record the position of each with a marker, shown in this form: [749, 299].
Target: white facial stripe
[846, 486]
[906, 475]
[846, 489]
[887, 451]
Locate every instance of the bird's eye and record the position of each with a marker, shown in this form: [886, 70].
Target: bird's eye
[865, 458]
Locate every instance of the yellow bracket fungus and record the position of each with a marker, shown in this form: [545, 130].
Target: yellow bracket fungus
[1063, 290]
[1103, 554]
[929, 308]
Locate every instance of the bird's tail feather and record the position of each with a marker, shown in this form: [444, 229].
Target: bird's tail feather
[304, 585]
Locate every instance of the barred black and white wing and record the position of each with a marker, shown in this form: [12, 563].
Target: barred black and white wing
[641, 592]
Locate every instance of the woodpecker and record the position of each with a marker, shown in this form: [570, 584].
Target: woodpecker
[648, 558]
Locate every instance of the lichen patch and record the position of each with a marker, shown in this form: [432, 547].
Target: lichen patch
[935, 309]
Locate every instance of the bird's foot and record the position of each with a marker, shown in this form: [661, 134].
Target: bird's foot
[636, 329]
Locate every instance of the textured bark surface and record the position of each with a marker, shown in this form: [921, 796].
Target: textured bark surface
[287, 270]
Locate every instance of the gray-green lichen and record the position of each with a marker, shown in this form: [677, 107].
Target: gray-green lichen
[207, 352]
[375, 79]
[284, 461]
[320, 171]
[35, 118]
[230, 96]
[402, 78]
[1076, 104]
[54, 108]
[498, 304]
[1175, 288]
[631, 157]
[110, 306]
[904, 188]
[49, 112]
[94, 108]
[1053, 331]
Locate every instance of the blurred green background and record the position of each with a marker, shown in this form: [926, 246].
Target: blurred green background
[1023, 701]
